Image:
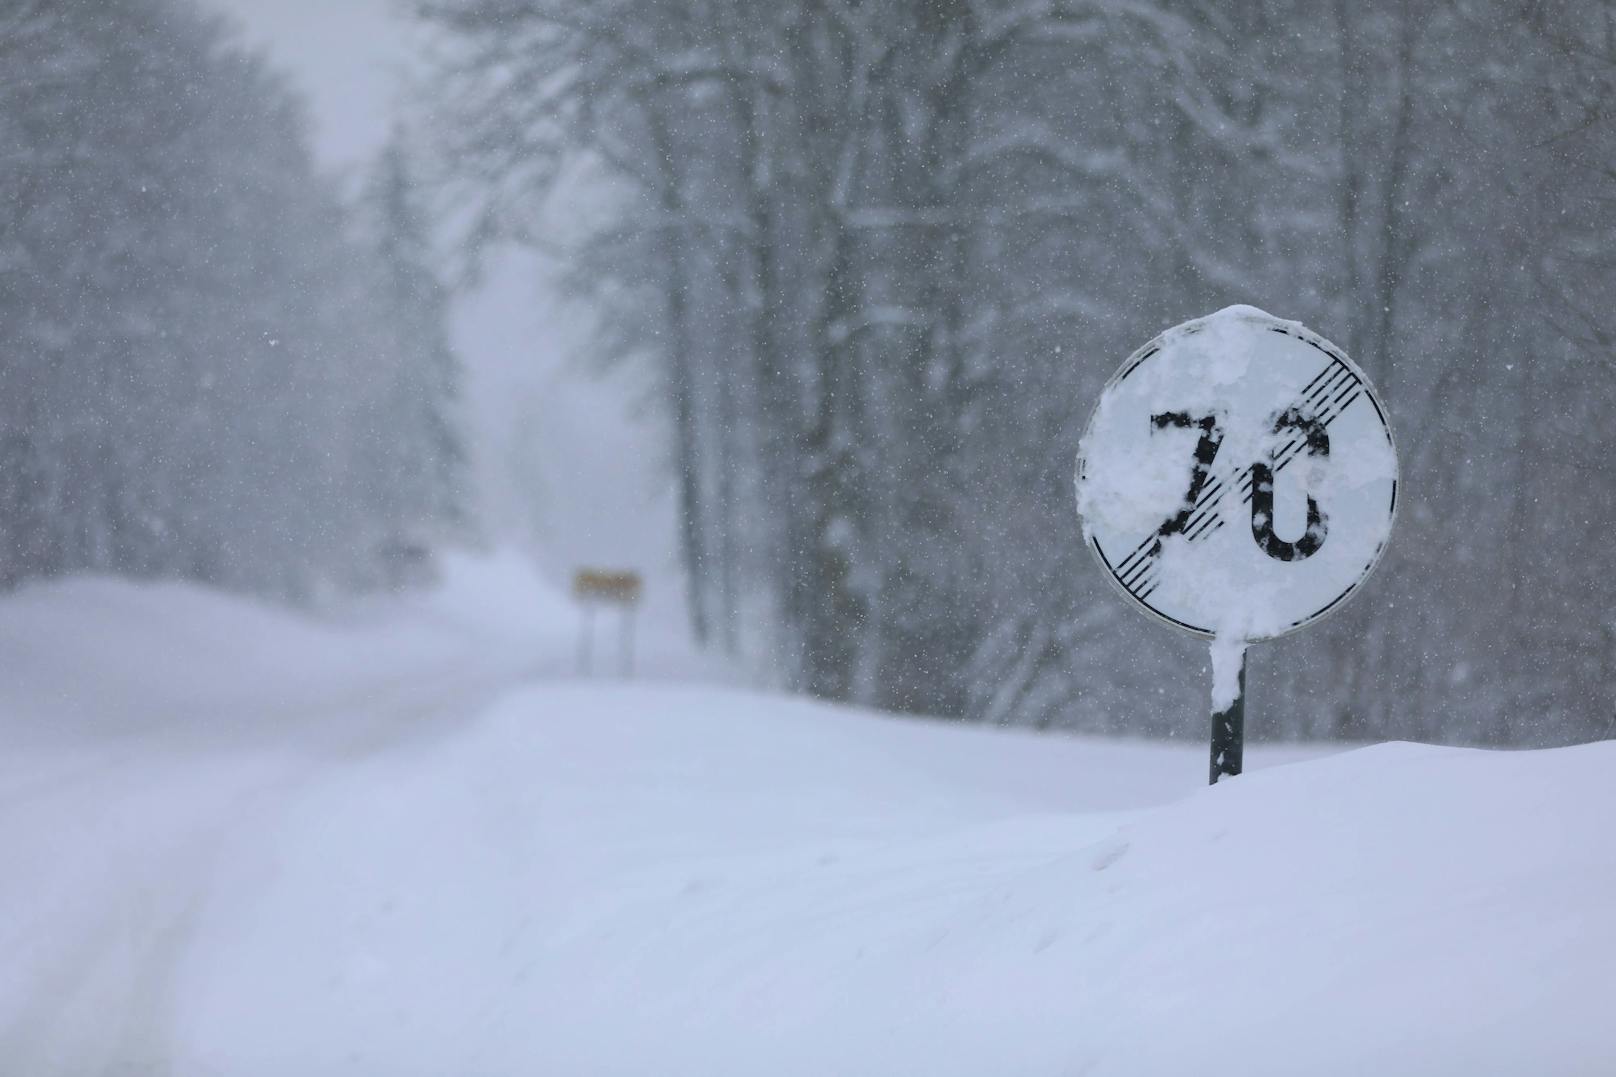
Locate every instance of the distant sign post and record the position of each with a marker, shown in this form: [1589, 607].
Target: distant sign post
[1237, 481]
[597, 587]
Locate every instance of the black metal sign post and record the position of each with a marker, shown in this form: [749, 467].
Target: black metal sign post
[1229, 732]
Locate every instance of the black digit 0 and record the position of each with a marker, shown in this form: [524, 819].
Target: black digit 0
[1316, 443]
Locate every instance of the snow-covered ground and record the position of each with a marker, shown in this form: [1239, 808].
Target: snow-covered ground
[406, 840]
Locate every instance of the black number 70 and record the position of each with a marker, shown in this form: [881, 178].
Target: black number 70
[1315, 442]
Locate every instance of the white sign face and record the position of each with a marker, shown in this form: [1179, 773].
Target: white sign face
[1238, 477]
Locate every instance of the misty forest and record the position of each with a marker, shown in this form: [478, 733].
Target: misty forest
[880, 258]
[884, 256]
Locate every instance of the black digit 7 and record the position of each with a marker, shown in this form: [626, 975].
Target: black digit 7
[1206, 450]
[1317, 443]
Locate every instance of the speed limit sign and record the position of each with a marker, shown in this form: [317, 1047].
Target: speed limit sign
[1238, 478]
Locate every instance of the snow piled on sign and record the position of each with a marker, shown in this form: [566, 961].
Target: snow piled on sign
[1228, 654]
[1127, 491]
[242, 842]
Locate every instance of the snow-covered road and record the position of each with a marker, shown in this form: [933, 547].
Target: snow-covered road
[238, 842]
[154, 737]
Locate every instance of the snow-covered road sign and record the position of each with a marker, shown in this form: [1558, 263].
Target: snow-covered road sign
[1238, 477]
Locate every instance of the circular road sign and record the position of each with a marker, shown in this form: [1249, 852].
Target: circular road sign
[1238, 476]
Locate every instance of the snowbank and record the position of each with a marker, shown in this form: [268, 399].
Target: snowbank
[104, 655]
[706, 884]
[449, 859]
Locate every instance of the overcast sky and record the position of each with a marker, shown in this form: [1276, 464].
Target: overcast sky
[348, 56]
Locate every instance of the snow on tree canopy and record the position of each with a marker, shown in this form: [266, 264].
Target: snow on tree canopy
[1237, 478]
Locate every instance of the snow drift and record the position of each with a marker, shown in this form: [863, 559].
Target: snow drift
[400, 842]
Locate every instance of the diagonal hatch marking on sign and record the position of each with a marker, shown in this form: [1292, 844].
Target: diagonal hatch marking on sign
[1211, 522]
[1311, 393]
[1203, 521]
[1308, 394]
[1206, 521]
[1287, 453]
[1138, 563]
